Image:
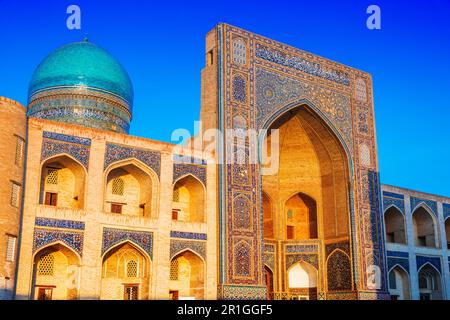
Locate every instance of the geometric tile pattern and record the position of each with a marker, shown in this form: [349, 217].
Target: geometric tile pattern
[431, 204]
[56, 223]
[177, 246]
[72, 239]
[435, 261]
[56, 144]
[142, 239]
[116, 152]
[188, 235]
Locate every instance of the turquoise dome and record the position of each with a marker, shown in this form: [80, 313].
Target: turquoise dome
[82, 64]
[81, 83]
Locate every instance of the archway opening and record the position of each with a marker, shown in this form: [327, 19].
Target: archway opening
[188, 200]
[424, 228]
[56, 274]
[301, 217]
[268, 277]
[187, 277]
[129, 191]
[125, 274]
[308, 184]
[62, 183]
[302, 281]
[430, 283]
[399, 284]
[395, 226]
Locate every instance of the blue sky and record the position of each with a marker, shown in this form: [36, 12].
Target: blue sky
[162, 47]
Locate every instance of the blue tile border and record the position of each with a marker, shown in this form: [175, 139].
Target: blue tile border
[62, 224]
[188, 235]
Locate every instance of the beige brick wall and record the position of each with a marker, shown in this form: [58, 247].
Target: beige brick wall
[96, 217]
[12, 119]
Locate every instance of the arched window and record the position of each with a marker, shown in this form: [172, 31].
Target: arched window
[301, 217]
[424, 228]
[394, 226]
[174, 270]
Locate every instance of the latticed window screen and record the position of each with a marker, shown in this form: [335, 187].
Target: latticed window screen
[20, 150]
[52, 176]
[176, 195]
[118, 186]
[174, 268]
[15, 194]
[46, 265]
[11, 249]
[132, 269]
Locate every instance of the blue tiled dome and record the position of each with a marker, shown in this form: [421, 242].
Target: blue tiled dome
[82, 83]
[82, 64]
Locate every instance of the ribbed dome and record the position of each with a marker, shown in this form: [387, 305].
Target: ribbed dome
[81, 83]
[82, 64]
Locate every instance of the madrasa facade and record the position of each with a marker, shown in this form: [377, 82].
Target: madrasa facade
[91, 212]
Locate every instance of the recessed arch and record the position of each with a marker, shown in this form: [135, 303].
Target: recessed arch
[56, 273]
[399, 283]
[395, 225]
[339, 275]
[63, 182]
[140, 189]
[425, 227]
[189, 199]
[187, 275]
[125, 272]
[430, 282]
[447, 231]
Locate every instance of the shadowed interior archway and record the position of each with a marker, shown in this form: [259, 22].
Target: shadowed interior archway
[306, 198]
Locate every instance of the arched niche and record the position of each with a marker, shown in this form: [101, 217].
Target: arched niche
[62, 183]
[425, 228]
[187, 276]
[394, 223]
[430, 283]
[56, 273]
[399, 287]
[130, 189]
[188, 200]
[125, 273]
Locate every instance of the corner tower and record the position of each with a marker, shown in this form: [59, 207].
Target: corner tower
[81, 83]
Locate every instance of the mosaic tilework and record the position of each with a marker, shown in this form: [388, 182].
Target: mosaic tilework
[242, 292]
[398, 254]
[434, 261]
[339, 272]
[269, 260]
[66, 138]
[403, 262]
[112, 237]
[55, 144]
[274, 91]
[388, 201]
[446, 209]
[177, 246]
[417, 201]
[312, 259]
[182, 169]
[62, 224]
[242, 262]
[188, 235]
[239, 88]
[268, 248]
[301, 64]
[44, 237]
[302, 248]
[242, 212]
[344, 246]
[116, 153]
